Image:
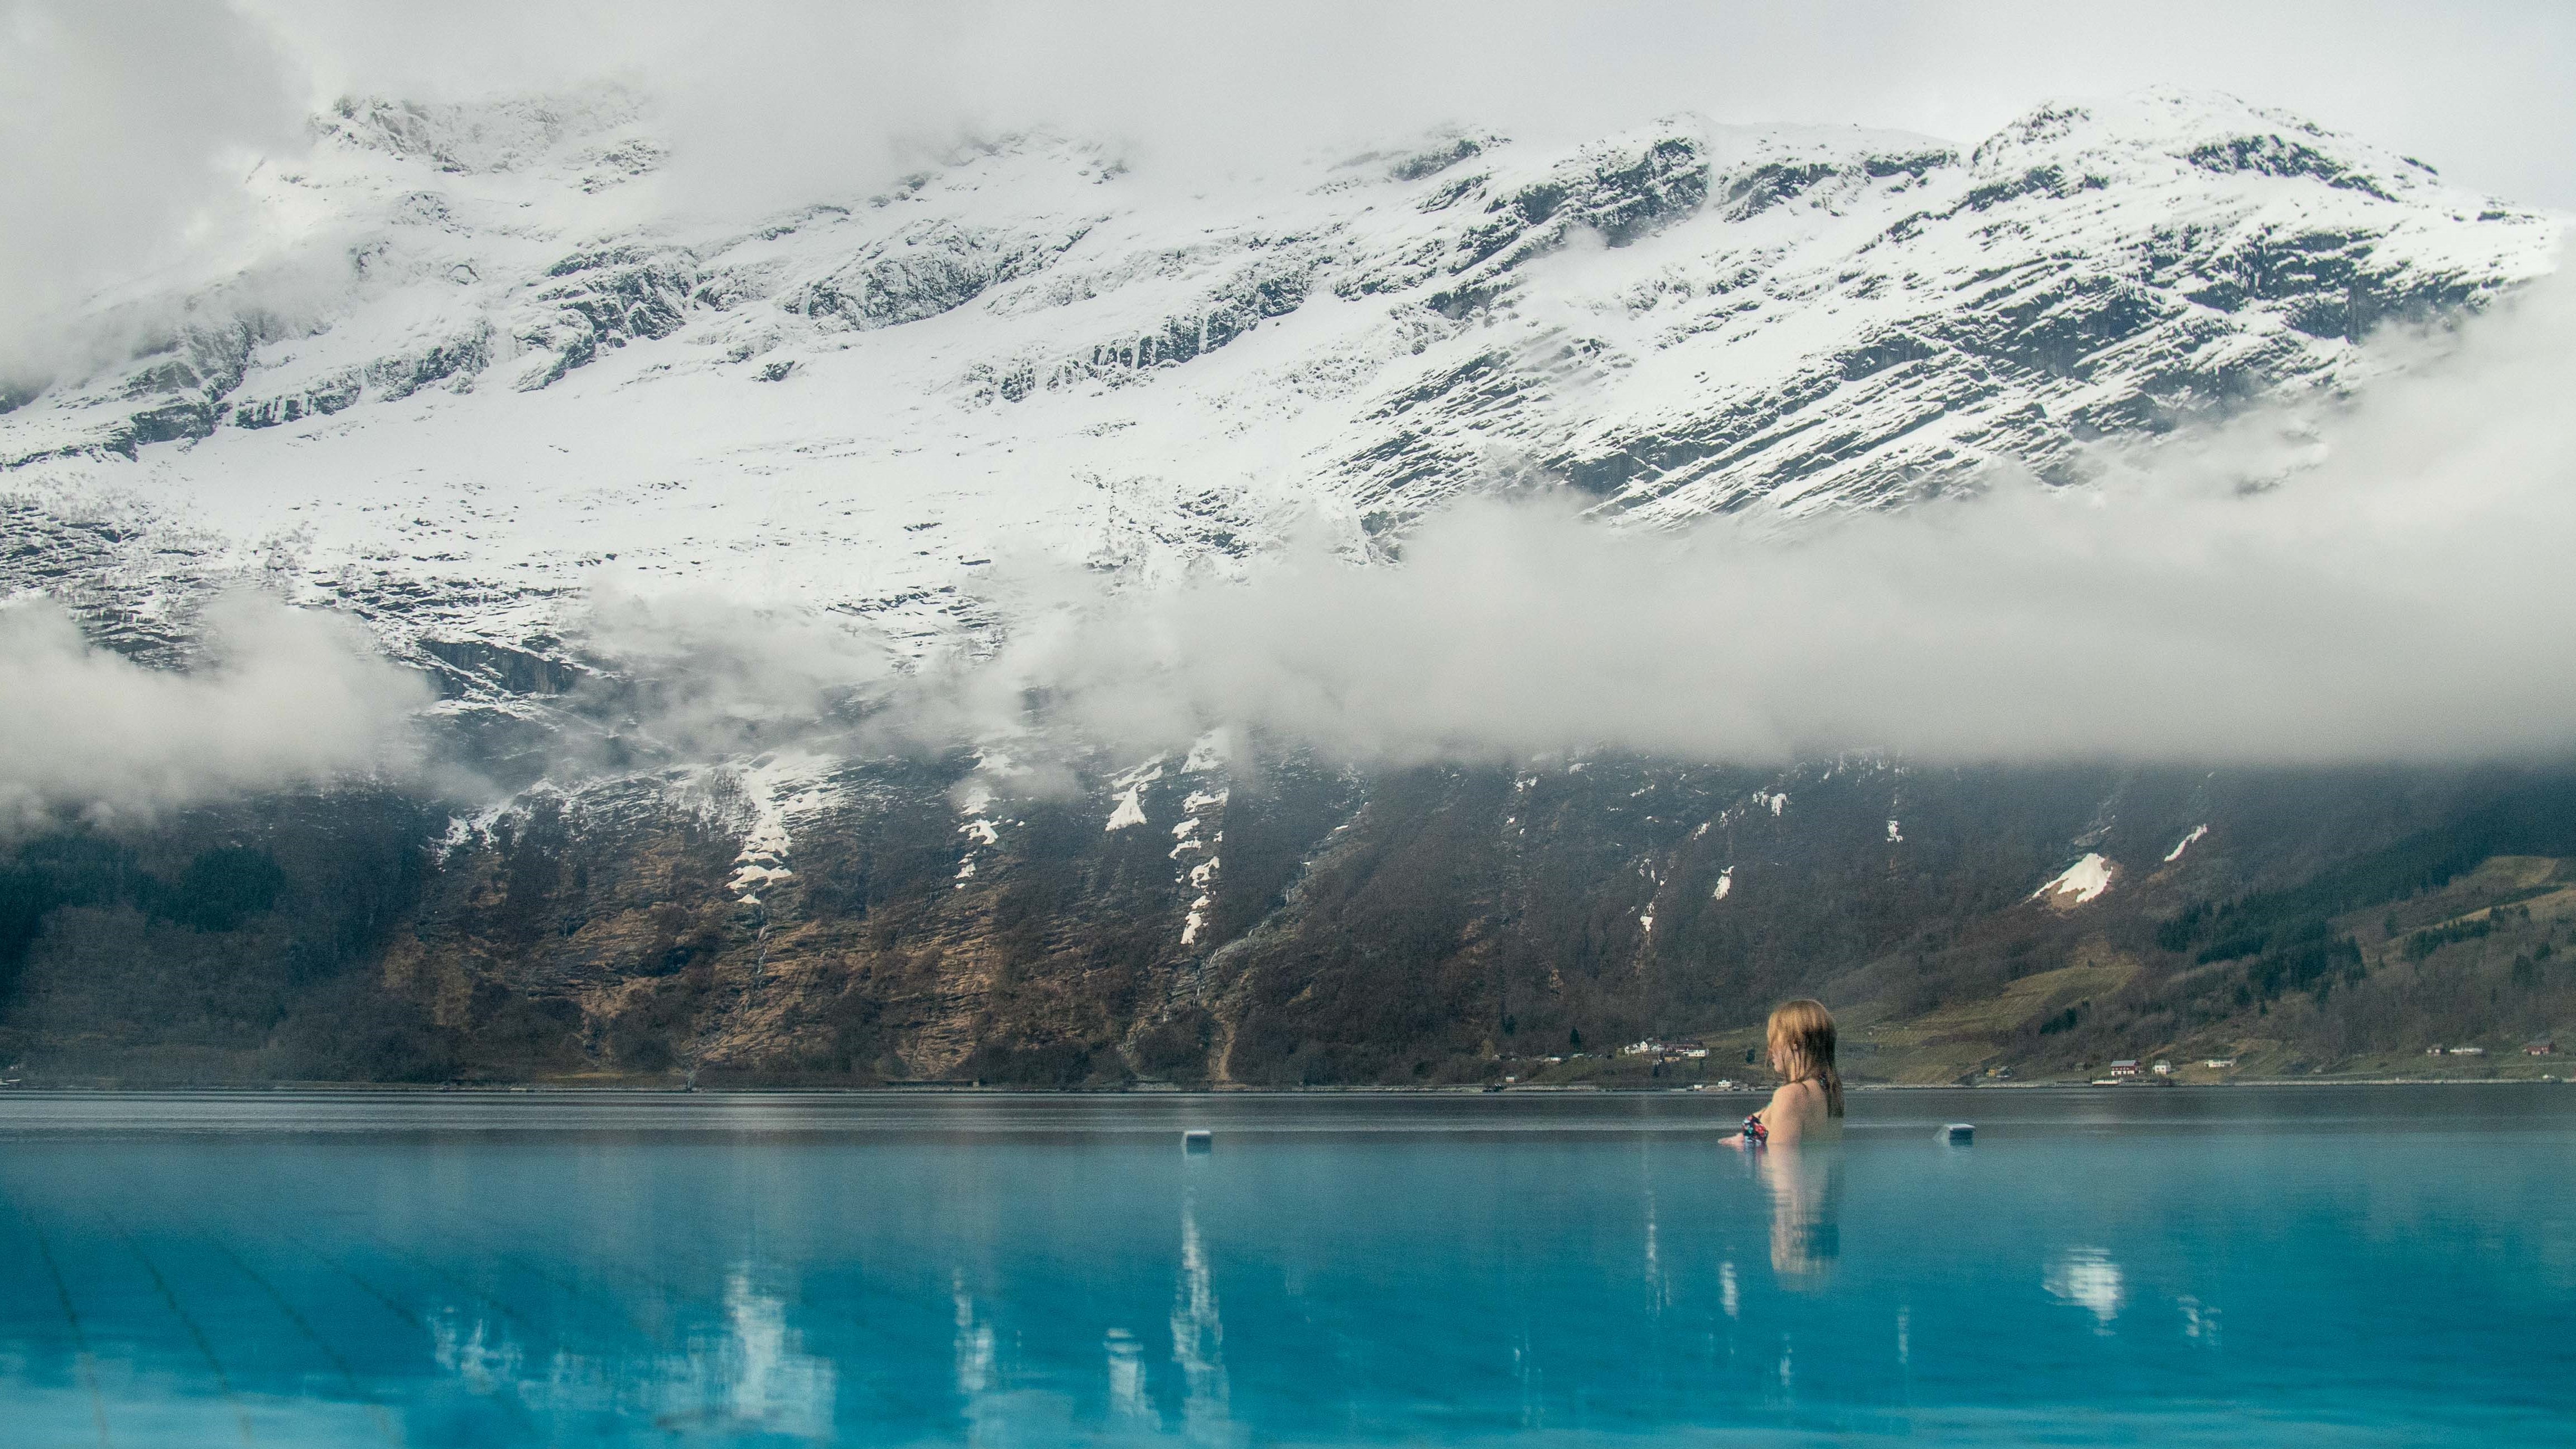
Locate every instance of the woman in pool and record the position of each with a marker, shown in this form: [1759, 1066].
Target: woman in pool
[1809, 1105]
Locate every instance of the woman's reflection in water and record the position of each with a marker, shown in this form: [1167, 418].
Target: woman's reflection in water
[1805, 1184]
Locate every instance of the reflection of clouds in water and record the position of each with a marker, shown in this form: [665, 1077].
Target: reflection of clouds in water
[1531, 1379]
[1126, 1376]
[757, 1372]
[473, 1353]
[1198, 1337]
[750, 1373]
[1654, 1255]
[2199, 1321]
[996, 1411]
[974, 1341]
[2088, 1278]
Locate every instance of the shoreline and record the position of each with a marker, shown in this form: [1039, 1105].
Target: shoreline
[522, 1089]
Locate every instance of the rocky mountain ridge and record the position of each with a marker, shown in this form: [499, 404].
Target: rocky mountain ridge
[499, 373]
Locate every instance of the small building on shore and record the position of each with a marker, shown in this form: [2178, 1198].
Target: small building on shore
[2541, 1048]
[2125, 1067]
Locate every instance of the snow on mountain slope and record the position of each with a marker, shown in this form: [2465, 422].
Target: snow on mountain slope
[517, 380]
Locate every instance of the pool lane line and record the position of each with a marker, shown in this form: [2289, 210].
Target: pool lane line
[223, 1380]
[72, 1319]
[506, 1404]
[938, 1311]
[557, 1339]
[390, 1303]
[510, 1406]
[393, 1305]
[661, 1340]
[700, 1255]
[659, 1343]
[420, 1264]
[673, 1287]
[348, 1376]
[424, 1265]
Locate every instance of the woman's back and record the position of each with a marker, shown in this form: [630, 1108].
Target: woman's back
[1802, 1112]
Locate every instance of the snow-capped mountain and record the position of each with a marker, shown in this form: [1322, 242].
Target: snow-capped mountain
[512, 375]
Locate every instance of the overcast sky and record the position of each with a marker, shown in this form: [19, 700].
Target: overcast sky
[131, 122]
[2480, 88]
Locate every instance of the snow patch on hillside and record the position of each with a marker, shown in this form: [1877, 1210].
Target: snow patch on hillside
[2083, 881]
[778, 789]
[1130, 811]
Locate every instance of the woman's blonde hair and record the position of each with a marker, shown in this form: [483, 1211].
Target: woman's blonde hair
[1801, 1037]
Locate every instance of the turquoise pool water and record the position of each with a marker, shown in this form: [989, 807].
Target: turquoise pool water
[2122, 1266]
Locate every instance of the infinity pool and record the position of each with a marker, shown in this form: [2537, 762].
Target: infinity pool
[2377, 1266]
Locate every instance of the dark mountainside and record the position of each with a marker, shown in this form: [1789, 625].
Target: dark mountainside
[1426, 926]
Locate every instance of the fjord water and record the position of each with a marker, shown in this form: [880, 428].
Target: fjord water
[2232, 1266]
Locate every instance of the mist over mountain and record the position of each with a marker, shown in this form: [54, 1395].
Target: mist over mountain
[1373, 616]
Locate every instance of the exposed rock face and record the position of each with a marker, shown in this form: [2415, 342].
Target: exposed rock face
[926, 269]
[804, 920]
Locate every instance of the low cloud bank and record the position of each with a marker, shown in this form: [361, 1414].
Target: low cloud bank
[701, 674]
[2386, 580]
[2389, 581]
[2021, 627]
[289, 697]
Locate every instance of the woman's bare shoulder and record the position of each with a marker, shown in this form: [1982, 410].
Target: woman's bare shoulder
[1801, 1093]
[1806, 1101]
[1801, 1112]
